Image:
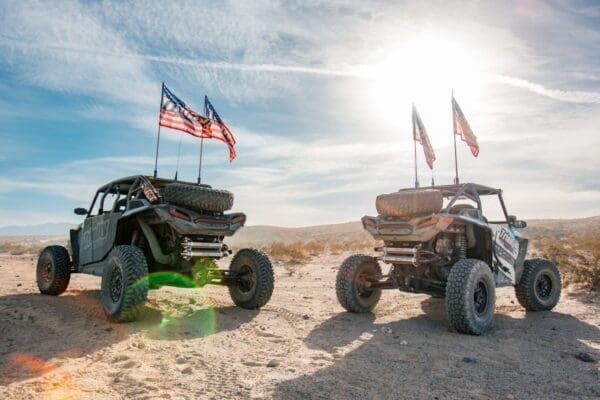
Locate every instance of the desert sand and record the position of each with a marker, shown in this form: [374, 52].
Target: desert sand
[194, 344]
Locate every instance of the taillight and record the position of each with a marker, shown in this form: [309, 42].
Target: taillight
[447, 220]
[370, 222]
[177, 214]
[239, 219]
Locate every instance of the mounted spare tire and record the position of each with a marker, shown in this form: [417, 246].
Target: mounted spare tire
[409, 203]
[198, 198]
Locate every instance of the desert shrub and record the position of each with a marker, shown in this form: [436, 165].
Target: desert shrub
[17, 249]
[577, 257]
[285, 252]
[588, 274]
[313, 247]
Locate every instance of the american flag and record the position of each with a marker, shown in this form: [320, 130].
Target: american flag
[217, 129]
[462, 128]
[175, 114]
[420, 135]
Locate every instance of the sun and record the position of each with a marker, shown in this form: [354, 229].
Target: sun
[424, 69]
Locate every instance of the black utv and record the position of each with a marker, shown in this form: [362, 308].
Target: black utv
[142, 232]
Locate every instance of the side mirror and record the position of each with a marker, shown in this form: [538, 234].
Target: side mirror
[80, 211]
[519, 224]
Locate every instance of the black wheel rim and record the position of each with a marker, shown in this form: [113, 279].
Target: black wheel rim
[247, 279]
[361, 288]
[543, 286]
[480, 298]
[116, 284]
[48, 272]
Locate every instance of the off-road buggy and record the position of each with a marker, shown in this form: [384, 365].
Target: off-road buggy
[438, 246]
[143, 232]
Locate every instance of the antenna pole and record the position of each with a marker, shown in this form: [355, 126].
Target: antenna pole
[158, 138]
[454, 136]
[178, 156]
[200, 163]
[414, 117]
[202, 146]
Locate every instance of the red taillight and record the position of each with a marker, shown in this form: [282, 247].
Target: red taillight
[177, 214]
[447, 220]
[239, 219]
[370, 222]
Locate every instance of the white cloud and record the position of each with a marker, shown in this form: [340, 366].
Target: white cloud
[308, 57]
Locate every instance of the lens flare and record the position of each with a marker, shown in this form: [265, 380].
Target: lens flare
[56, 385]
[180, 317]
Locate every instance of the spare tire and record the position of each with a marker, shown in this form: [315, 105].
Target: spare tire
[409, 203]
[198, 198]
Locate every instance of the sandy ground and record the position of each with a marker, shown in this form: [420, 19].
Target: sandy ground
[194, 344]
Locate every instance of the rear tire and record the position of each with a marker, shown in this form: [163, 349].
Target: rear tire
[124, 284]
[256, 279]
[350, 291]
[409, 203]
[198, 198]
[540, 285]
[470, 296]
[53, 271]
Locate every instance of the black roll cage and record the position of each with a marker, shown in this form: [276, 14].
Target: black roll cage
[132, 186]
[473, 192]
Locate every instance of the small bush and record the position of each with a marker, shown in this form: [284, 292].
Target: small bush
[286, 252]
[588, 274]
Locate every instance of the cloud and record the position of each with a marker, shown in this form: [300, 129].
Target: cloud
[299, 73]
[571, 96]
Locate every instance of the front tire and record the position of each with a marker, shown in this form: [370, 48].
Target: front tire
[350, 287]
[124, 283]
[256, 279]
[53, 271]
[470, 296]
[540, 285]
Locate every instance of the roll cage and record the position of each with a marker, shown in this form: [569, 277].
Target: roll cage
[473, 192]
[132, 187]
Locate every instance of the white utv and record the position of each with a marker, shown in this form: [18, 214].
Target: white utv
[437, 241]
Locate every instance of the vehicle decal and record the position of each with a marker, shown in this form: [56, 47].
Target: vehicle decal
[506, 251]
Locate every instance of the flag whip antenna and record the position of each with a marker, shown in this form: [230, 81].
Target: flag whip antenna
[202, 144]
[158, 137]
[178, 156]
[456, 181]
[415, 145]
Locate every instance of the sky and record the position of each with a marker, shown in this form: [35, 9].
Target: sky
[317, 94]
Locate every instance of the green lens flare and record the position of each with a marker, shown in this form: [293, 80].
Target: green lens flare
[184, 316]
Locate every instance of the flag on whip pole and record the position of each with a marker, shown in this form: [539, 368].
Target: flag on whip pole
[175, 114]
[420, 135]
[217, 129]
[462, 128]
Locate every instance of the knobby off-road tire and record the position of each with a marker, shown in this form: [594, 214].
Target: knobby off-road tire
[124, 284]
[53, 271]
[470, 296]
[540, 285]
[351, 294]
[257, 279]
[198, 198]
[409, 203]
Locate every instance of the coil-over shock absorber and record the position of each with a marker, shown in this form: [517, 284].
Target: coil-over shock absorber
[460, 243]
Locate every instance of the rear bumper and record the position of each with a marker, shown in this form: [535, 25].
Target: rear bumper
[420, 229]
[186, 222]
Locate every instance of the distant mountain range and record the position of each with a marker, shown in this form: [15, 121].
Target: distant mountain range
[58, 228]
[348, 231]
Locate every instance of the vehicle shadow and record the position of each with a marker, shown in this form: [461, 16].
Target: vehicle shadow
[35, 328]
[531, 355]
